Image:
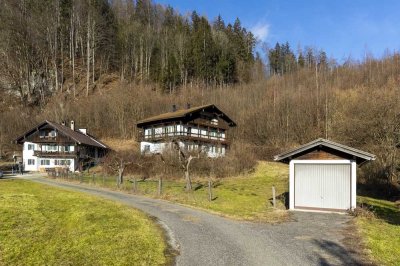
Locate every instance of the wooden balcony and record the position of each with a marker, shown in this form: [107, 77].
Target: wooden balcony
[183, 136]
[61, 154]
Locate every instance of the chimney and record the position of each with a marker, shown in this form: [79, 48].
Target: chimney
[188, 106]
[72, 124]
[63, 123]
[174, 108]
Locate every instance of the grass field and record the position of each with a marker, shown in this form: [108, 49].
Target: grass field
[381, 233]
[244, 197]
[41, 225]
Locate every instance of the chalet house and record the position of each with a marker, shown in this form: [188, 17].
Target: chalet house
[197, 128]
[51, 145]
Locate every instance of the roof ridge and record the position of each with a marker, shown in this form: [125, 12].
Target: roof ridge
[75, 135]
[328, 143]
[181, 113]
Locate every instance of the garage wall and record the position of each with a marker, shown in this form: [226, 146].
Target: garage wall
[323, 174]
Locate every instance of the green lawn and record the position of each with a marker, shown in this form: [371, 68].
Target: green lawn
[381, 234]
[41, 225]
[244, 197]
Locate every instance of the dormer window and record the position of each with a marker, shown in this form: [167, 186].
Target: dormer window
[47, 134]
[52, 134]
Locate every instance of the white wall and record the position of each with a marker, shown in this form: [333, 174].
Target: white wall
[151, 147]
[28, 155]
[154, 148]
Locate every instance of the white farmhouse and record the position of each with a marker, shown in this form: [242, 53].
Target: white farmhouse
[51, 145]
[198, 128]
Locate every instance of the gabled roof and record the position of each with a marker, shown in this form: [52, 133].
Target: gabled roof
[183, 113]
[364, 156]
[77, 136]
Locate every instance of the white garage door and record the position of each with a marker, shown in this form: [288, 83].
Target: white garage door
[322, 186]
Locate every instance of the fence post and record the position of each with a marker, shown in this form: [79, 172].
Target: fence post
[210, 196]
[160, 186]
[273, 197]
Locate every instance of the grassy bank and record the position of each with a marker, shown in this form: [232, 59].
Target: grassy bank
[381, 233]
[244, 197]
[41, 225]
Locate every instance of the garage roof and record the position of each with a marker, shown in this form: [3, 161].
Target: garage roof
[359, 154]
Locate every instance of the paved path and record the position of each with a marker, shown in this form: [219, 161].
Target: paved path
[206, 239]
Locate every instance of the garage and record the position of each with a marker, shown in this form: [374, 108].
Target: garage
[322, 175]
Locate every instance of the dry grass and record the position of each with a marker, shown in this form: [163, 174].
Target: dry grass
[121, 144]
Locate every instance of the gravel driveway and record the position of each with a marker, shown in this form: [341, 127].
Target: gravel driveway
[202, 238]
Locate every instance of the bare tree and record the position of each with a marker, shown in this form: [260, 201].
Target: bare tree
[118, 162]
[185, 159]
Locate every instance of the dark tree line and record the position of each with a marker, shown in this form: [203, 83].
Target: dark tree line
[283, 60]
[52, 45]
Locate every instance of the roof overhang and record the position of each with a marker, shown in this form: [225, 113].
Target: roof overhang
[359, 155]
[182, 114]
[78, 137]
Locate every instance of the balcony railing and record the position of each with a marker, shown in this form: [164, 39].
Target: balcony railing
[183, 136]
[54, 153]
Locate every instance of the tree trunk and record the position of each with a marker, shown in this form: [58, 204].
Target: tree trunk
[56, 46]
[188, 181]
[120, 179]
[73, 49]
[134, 185]
[88, 53]
[93, 44]
[62, 63]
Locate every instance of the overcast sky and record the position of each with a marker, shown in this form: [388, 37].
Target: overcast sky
[342, 28]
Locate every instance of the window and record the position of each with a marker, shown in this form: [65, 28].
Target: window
[31, 161]
[146, 148]
[51, 148]
[31, 147]
[62, 162]
[213, 134]
[171, 130]
[45, 162]
[47, 134]
[65, 148]
[52, 134]
[214, 121]
[147, 133]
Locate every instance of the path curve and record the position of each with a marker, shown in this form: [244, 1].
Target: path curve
[206, 239]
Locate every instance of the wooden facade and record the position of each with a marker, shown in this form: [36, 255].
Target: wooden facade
[321, 154]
